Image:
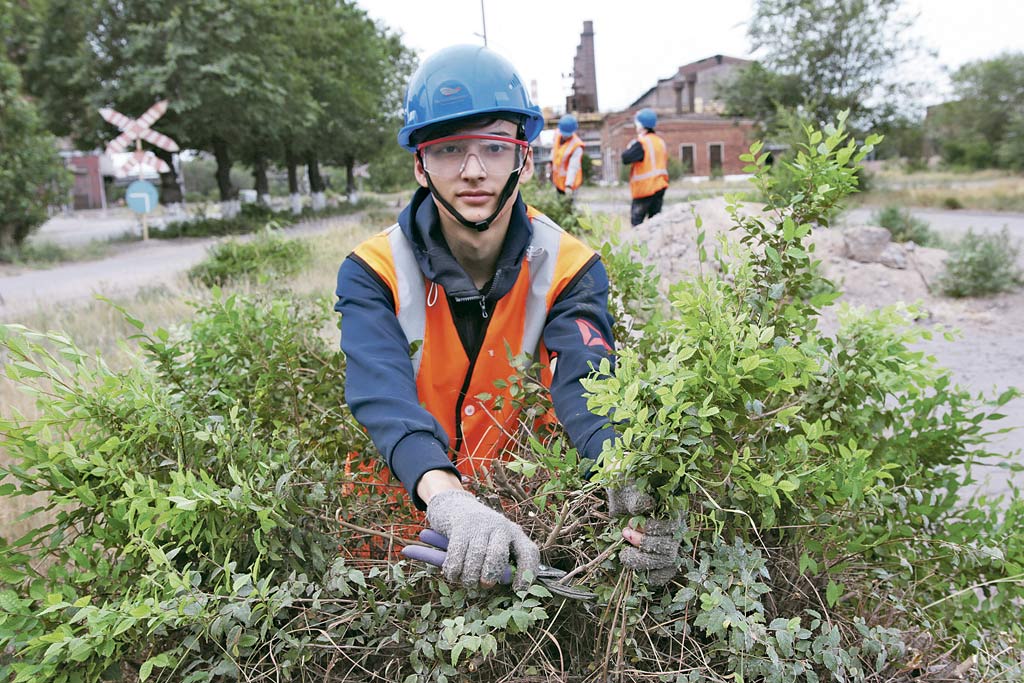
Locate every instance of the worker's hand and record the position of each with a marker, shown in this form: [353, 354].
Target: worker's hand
[568, 192]
[656, 541]
[479, 540]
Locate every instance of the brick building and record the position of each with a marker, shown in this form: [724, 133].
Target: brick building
[689, 119]
[88, 190]
[693, 89]
[705, 144]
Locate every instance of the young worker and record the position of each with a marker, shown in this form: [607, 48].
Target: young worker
[648, 173]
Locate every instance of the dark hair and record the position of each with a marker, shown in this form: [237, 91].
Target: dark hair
[443, 129]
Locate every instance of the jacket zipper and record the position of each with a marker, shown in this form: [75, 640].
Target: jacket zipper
[469, 377]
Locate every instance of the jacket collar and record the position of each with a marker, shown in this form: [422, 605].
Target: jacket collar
[421, 225]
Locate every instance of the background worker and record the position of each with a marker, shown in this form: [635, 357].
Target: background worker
[431, 307]
[567, 157]
[648, 175]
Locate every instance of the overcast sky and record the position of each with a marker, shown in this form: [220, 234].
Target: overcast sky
[638, 43]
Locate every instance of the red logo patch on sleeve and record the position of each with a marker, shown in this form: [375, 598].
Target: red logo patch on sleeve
[590, 335]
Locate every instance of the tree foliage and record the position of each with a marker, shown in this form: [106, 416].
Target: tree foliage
[829, 56]
[32, 175]
[984, 126]
[252, 81]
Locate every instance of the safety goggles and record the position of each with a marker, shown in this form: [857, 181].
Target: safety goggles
[447, 157]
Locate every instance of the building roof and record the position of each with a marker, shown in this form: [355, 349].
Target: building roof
[692, 69]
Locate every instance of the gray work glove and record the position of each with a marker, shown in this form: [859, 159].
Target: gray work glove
[659, 551]
[478, 541]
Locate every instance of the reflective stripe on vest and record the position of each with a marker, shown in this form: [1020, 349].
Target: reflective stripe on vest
[560, 160]
[448, 383]
[542, 255]
[650, 174]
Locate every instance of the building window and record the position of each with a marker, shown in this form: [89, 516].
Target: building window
[686, 157]
[715, 157]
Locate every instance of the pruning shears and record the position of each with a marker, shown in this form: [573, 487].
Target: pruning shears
[549, 577]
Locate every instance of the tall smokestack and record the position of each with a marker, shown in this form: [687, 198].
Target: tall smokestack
[584, 81]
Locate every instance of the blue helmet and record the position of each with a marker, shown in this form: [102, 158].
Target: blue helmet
[462, 81]
[567, 125]
[647, 118]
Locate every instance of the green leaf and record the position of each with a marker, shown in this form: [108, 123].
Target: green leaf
[833, 593]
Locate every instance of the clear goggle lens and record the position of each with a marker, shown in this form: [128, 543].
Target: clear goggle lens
[447, 157]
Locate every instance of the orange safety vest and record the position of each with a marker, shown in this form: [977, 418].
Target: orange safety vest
[447, 384]
[651, 173]
[560, 156]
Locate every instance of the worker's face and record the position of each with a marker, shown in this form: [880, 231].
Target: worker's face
[470, 172]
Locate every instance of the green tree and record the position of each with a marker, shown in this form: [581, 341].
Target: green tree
[842, 55]
[359, 88]
[983, 126]
[61, 74]
[758, 93]
[31, 174]
[20, 23]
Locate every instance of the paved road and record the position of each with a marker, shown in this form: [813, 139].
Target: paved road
[953, 223]
[135, 265]
[82, 227]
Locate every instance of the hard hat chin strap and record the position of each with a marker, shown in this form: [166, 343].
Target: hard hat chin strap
[479, 226]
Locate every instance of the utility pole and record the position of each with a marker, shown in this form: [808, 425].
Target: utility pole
[483, 20]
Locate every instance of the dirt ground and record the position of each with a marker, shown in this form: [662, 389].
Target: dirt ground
[987, 355]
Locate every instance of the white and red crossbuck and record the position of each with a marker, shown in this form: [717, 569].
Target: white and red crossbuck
[138, 129]
[139, 161]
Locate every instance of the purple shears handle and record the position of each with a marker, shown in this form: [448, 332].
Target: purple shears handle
[437, 554]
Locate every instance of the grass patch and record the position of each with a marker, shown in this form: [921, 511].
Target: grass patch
[45, 254]
[254, 217]
[982, 191]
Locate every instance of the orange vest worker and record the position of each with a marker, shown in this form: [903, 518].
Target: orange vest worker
[651, 174]
[561, 155]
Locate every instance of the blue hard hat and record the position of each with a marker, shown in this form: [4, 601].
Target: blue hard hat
[647, 118]
[463, 81]
[567, 124]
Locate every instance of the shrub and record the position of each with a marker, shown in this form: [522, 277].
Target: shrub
[209, 512]
[266, 257]
[952, 203]
[904, 227]
[981, 264]
[558, 207]
[676, 169]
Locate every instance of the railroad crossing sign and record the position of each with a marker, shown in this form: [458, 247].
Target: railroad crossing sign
[141, 196]
[145, 195]
[141, 161]
[136, 129]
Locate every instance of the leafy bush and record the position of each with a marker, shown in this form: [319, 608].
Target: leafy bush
[981, 264]
[952, 203]
[268, 256]
[558, 207]
[904, 227]
[211, 523]
[838, 459]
